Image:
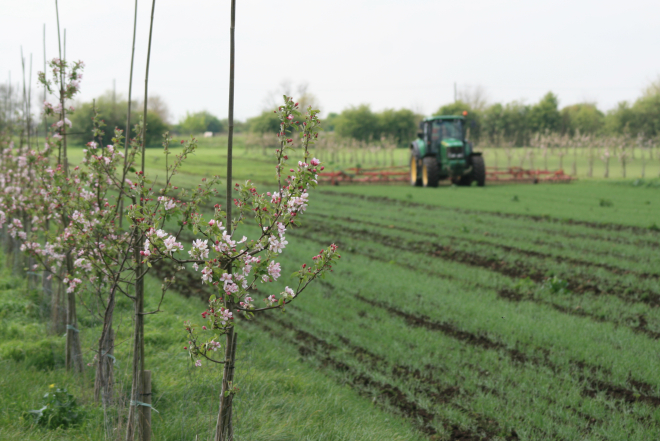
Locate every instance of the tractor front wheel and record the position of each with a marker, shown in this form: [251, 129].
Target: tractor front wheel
[430, 172]
[479, 170]
[415, 172]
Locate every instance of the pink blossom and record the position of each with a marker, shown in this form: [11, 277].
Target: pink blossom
[246, 303]
[198, 363]
[66, 121]
[281, 229]
[288, 293]
[276, 245]
[231, 287]
[274, 270]
[225, 316]
[200, 249]
[207, 274]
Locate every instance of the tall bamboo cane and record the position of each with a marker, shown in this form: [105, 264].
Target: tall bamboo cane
[223, 429]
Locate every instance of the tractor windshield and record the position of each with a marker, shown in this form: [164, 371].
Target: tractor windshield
[443, 129]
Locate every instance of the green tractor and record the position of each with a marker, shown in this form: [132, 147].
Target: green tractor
[442, 152]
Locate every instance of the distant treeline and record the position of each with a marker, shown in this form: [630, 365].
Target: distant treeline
[517, 123]
[359, 123]
[514, 123]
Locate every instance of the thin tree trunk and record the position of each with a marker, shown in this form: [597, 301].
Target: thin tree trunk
[607, 168]
[223, 431]
[135, 414]
[643, 165]
[73, 349]
[57, 311]
[623, 167]
[138, 354]
[103, 383]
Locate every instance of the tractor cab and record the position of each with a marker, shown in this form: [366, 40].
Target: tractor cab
[442, 152]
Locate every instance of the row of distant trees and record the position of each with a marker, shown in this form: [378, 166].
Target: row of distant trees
[489, 124]
[114, 113]
[517, 123]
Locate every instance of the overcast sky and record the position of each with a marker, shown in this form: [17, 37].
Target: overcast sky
[387, 53]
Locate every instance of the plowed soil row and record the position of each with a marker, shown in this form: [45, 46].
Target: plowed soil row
[608, 254]
[647, 243]
[190, 288]
[593, 385]
[381, 200]
[189, 285]
[505, 294]
[310, 345]
[641, 328]
[518, 270]
[508, 248]
[390, 395]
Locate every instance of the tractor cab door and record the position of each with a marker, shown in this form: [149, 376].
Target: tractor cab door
[426, 130]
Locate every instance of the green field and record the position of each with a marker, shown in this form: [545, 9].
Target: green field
[505, 312]
[281, 398]
[458, 310]
[257, 163]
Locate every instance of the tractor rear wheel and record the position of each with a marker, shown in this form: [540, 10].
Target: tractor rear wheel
[479, 170]
[415, 172]
[430, 172]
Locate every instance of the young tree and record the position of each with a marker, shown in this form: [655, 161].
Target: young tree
[236, 267]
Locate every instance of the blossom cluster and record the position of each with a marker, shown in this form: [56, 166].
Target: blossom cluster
[238, 267]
